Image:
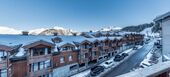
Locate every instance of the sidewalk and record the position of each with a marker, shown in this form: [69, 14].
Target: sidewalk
[87, 72]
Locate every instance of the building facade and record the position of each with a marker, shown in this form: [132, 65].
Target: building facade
[58, 56]
[164, 22]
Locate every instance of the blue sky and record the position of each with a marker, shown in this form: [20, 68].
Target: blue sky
[79, 15]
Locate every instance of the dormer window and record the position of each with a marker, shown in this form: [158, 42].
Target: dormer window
[3, 55]
[41, 51]
[56, 40]
[70, 57]
[96, 44]
[62, 59]
[67, 48]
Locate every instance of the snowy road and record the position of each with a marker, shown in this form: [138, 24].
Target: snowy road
[131, 62]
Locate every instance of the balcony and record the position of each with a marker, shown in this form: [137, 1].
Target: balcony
[40, 72]
[84, 50]
[84, 60]
[3, 64]
[95, 49]
[34, 59]
[106, 47]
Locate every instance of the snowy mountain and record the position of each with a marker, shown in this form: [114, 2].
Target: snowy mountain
[7, 30]
[60, 31]
[111, 29]
[51, 31]
[40, 31]
[36, 31]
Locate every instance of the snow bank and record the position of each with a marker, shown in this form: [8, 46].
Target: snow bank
[82, 74]
[145, 72]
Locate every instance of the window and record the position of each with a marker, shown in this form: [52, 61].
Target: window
[46, 51]
[30, 67]
[35, 66]
[86, 55]
[70, 57]
[41, 65]
[3, 55]
[42, 51]
[67, 48]
[39, 51]
[61, 59]
[49, 50]
[95, 53]
[47, 63]
[3, 73]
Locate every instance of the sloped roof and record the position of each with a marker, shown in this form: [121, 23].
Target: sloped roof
[7, 41]
[162, 16]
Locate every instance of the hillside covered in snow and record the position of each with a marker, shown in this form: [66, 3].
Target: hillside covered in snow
[40, 31]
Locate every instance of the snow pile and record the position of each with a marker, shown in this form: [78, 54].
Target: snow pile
[111, 28]
[82, 74]
[145, 62]
[166, 58]
[145, 72]
[20, 53]
[147, 31]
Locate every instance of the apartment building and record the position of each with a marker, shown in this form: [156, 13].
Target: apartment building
[164, 22]
[57, 56]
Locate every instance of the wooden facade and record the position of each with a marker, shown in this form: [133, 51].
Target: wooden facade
[40, 59]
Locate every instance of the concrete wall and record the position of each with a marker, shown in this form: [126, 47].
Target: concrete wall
[166, 37]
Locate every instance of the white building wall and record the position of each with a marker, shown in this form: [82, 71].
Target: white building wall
[166, 37]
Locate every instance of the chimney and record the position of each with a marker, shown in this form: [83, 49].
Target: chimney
[91, 31]
[55, 34]
[25, 32]
[74, 34]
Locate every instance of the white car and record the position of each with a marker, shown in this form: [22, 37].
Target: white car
[107, 64]
[144, 65]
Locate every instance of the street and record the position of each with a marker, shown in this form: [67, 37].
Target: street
[132, 62]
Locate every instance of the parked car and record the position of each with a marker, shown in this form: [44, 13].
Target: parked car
[107, 64]
[135, 48]
[144, 65]
[96, 70]
[118, 58]
[125, 54]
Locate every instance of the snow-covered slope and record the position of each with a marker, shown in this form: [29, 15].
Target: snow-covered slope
[36, 31]
[7, 30]
[147, 31]
[110, 28]
[56, 29]
[39, 31]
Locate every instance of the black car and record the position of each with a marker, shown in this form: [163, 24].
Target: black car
[96, 70]
[135, 48]
[118, 58]
[124, 54]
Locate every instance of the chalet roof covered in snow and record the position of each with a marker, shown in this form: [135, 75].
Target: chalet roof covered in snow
[162, 16]
[10, 41]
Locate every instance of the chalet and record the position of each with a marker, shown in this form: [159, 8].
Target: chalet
[56, 56]
[5, 65]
